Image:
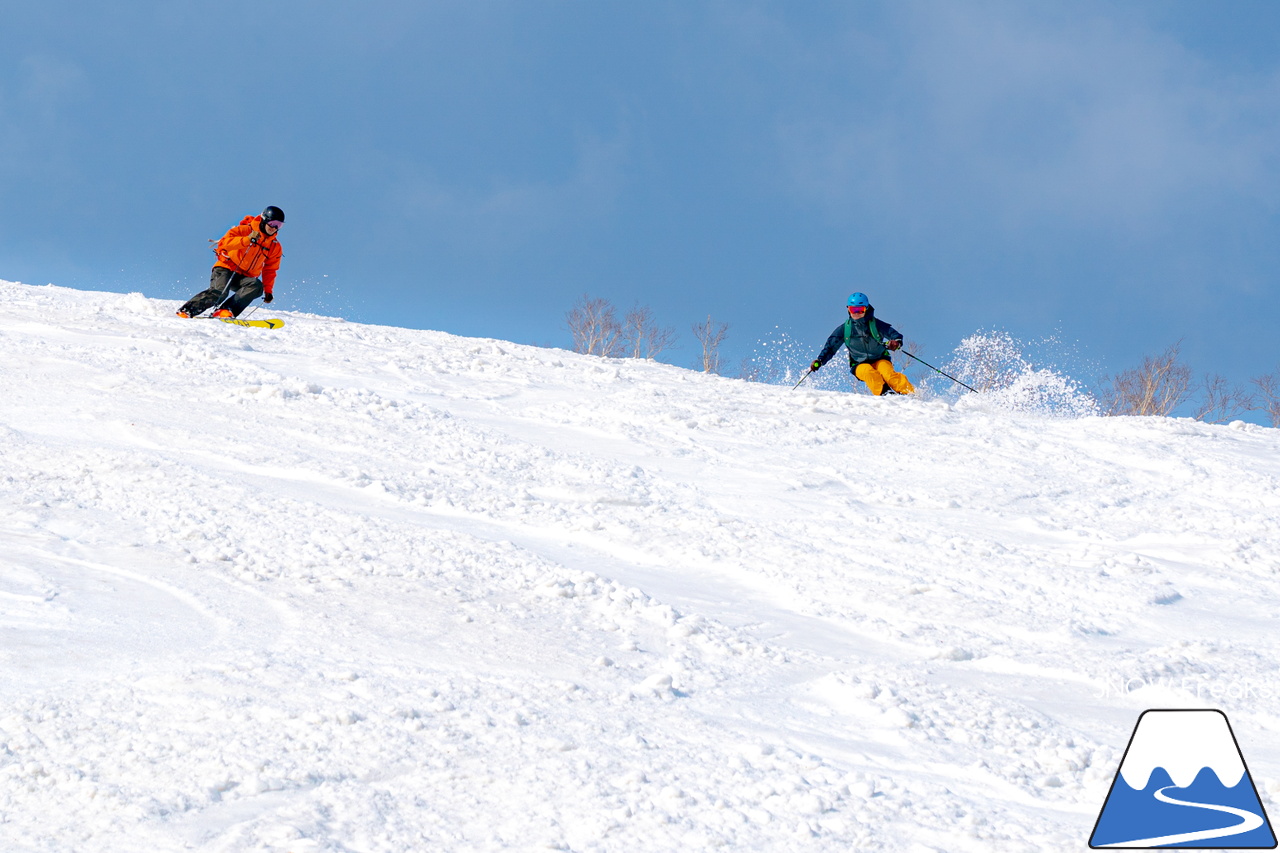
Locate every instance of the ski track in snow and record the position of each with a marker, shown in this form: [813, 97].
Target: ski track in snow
[351, 588]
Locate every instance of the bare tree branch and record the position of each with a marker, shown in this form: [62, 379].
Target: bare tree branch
[641, 335]
[1223, 401]
[594, 327]
[1268, 399]
[710, 335]
[749, 371]
[1158, 387]
[910, 366]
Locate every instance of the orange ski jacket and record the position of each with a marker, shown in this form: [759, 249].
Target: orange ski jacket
[257, 260]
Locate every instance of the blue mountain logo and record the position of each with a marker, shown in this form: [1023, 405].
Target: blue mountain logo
[1183, 783]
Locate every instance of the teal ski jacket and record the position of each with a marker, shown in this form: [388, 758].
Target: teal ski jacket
[864, 337]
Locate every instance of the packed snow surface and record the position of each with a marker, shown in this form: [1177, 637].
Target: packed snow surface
[340, 587]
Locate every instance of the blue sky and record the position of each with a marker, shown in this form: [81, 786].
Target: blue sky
[1106, 172]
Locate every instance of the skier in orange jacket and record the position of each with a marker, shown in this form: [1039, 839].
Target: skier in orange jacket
[248, 259]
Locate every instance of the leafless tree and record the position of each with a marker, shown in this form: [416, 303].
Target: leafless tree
[594, 327]
[1268, 399]
[909, 367]
[749, 371]
[1222, 401]
[1158, 387]
[710, 335]
[641, 335]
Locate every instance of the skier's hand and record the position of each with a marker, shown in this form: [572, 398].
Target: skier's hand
[813, 368]
[894, 344]
[267, 297]
[253, 237]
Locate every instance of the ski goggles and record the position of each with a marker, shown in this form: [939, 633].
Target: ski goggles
[275, 223]
[857, 309]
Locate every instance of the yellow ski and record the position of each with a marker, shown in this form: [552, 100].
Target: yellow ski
[261, 324]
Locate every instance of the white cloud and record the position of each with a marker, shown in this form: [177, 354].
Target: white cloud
[1008, 115]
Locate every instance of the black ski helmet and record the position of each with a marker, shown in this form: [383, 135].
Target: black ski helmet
[273, 214]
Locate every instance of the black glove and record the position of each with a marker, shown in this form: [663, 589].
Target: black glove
[813, 368]
[267, 297]
[893, 344]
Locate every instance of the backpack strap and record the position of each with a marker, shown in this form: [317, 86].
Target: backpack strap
[875, 333]
[871, 324]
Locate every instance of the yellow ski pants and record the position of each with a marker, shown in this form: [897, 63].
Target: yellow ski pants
[878, 373]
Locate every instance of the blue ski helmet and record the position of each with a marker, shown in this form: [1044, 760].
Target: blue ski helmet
[859, 299]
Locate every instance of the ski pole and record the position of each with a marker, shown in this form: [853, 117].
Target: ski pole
[802, 378]
[936, 370]
[231, 290]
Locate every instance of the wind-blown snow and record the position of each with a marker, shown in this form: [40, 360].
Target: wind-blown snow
[350, 588]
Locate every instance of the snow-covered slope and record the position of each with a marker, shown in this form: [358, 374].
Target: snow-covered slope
[351, 588]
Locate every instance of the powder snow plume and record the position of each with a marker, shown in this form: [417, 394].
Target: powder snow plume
[1000, 369]
[1010, 375]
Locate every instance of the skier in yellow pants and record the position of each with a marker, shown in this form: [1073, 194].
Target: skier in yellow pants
[881, 373]
[869, 342]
